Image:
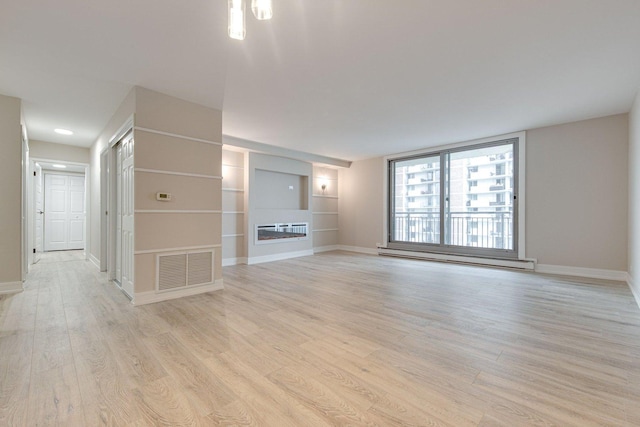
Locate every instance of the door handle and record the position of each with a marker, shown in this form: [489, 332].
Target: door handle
[40, 212]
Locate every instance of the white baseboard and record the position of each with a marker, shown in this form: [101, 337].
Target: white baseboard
[278, 257]
[358, 249]
[95, 261]
[634, 289]
[226, 262]
[592, 273]
[10, 287]
[491, 262]
[142, 298]
[329, 248]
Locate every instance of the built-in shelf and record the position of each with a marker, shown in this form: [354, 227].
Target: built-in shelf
[232, 235]
[233, 212]
[321, 230]
[325, 196]
[325, 213]
[235, 190]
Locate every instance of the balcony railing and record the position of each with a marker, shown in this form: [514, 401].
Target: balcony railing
[491, 230]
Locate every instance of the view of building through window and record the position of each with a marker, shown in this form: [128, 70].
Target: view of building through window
[477, 193]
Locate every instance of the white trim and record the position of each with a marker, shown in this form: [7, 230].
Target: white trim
[520, 264]
[324, 229]
[592, 273]
[11, 287]
[142, 298]
[163, 250]
[235, 190]
[358, 249]
[95, 261]
[330, 248]
[324, 213]
[635, 291]
[175, 135]
[232, 166]
[233, 212]
[228, 262]
[175, 211]
[163, 172]
[278, 257]
[324, 196]
[126, 127]
[232, 235]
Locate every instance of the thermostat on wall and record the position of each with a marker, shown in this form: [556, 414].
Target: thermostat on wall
[163, 197]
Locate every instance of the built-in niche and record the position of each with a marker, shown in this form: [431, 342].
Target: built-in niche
[278, 190]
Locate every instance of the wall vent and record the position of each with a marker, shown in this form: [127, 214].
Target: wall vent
[178, 270]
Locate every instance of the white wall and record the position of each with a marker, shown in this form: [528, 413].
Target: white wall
[634, 198]
[60, 152]
[576, 196]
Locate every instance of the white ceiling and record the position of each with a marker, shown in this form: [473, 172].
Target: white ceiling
[349, 79]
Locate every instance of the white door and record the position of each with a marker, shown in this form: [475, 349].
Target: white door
[118, 200]
[127, 215]
[39, 213]
[63, 212]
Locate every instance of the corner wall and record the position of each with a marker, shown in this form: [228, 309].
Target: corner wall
[11, 205]
[178, 150]
[634, 199]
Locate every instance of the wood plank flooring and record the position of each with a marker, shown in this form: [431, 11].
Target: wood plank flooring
[333, 339]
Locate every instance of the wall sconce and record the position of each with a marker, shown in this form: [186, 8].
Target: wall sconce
[324, 183]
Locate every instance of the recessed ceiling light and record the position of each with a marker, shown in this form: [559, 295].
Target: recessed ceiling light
[63, 131]
[59, 166]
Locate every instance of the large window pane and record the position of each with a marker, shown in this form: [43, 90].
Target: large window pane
[457, 201]
[480, 209]
[416, 200]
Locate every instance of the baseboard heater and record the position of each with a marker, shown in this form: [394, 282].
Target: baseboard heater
[281, 232]
[460, 259]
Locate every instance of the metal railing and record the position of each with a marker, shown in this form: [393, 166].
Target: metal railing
[491, 230]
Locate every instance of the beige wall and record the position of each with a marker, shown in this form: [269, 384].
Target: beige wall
[325, 208]
[361, 204]
[577, 194]
[233, 233]
[193, 148]
[60, 152]
[634, 197]
[10, 179]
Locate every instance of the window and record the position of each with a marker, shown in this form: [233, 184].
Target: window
[449, 222]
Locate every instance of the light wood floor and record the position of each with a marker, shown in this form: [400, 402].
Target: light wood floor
[334, 339]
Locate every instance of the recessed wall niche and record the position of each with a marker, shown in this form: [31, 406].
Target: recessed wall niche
[278, 190]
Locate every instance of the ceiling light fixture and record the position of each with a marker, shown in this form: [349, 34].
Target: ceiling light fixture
[59, 166]
[63, 131]
[262, 10]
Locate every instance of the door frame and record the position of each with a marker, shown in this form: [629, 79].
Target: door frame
[108, 222]
[32, 213]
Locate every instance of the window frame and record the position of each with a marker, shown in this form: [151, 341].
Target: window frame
[518, 188]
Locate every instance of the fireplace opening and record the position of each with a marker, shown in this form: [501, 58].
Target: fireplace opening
[281, 232]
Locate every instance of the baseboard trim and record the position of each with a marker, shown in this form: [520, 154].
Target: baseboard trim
[142, 298]
[358, 249]
[227, 262]
[10, 287]
[489, 262]
[278, 257]
[95, 261]
[634, 290]
[329, 248]
[591, 273]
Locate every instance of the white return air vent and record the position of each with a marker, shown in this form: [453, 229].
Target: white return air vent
[179, 270]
